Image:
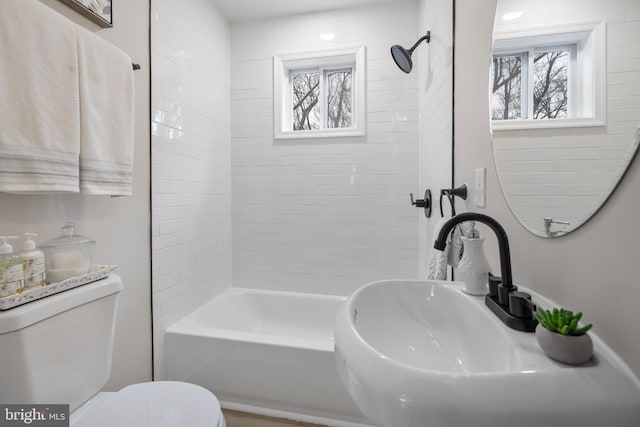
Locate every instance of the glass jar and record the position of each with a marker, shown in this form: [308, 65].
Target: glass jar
[68, 255]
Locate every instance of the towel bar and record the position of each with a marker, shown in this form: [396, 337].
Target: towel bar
[449, 193]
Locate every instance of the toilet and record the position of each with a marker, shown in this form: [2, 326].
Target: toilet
[58, 350]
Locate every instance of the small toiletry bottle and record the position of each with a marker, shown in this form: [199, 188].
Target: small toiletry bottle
[473, 269]
[11, 275]
[32, 263]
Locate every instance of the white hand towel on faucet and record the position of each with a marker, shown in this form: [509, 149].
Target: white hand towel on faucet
[39, 104]
[456, 247]
[438, 260]
[106, 117]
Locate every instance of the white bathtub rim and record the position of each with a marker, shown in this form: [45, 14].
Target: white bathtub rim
[275, 413]
[259, 338]
[201, 334]
[239, 291]
[186, 327]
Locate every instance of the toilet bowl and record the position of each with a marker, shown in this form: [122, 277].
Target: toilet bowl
[58, 350]
[152, 404]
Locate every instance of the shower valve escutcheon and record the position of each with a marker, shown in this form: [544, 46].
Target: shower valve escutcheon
[423, 203]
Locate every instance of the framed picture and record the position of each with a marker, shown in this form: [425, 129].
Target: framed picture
[99, 11]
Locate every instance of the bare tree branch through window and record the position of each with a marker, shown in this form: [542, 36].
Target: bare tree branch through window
[313, 110]
[507, 88]
[306, 93]
[548, 81]
[339, 99]
[550, 85]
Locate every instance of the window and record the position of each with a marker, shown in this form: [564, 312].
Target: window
[321, 98]
[549, 77]
[534, 84]
[319, 94]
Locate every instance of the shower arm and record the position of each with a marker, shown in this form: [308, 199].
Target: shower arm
[426, 37]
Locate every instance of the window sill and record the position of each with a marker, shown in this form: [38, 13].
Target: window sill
[320, 133]
[500, 125]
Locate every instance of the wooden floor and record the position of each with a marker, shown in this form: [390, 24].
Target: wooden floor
[243, 419]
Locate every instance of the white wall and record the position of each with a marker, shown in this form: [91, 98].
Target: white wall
[436, 109]
[593, 269]
[324, 215]
[119, 225]
[191, 220]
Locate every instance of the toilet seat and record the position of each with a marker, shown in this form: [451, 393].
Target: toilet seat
[153, 404]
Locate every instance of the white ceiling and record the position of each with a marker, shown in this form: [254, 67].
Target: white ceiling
[246, 10]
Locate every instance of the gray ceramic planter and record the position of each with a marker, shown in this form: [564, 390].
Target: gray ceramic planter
[570, 349]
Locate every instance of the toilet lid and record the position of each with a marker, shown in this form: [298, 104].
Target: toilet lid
[155, 404]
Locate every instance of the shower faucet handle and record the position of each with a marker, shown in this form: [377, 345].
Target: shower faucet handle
[423, 203]
[420, 203]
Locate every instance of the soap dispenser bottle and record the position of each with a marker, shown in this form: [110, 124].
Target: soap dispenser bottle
[32, 263]
[473, 269]
[11, 275]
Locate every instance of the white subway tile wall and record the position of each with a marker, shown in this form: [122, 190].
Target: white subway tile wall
[436, 110]
[324, 215]
[569, 174]
[191, 166]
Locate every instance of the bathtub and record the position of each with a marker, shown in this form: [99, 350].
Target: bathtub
[265, 352]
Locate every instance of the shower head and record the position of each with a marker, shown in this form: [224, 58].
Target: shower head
[402, 56]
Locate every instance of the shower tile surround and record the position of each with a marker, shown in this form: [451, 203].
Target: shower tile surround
[435, 71]
[323, 216]
[191, 178]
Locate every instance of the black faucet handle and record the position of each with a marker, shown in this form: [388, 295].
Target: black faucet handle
[499, 292]
[420, 203]
[504, 292]
[494, 281]
[520, 305]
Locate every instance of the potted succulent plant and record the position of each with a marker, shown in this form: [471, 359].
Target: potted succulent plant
[560, 338]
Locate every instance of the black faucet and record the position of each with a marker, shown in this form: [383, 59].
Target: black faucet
[513, 308]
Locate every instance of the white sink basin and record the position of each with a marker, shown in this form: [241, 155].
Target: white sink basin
[424, 354]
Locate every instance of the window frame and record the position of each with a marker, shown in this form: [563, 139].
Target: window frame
[324, 90]
[334, 59]
[589, 63]
[527, 79]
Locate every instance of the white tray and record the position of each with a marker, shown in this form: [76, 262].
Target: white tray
[97, 272]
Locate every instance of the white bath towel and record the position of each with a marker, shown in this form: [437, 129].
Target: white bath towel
[106, 117]
[439, 260]
[39, 105]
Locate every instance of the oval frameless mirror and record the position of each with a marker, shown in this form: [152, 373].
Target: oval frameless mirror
[565, 107]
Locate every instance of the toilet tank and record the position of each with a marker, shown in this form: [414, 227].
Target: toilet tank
[58, 349]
